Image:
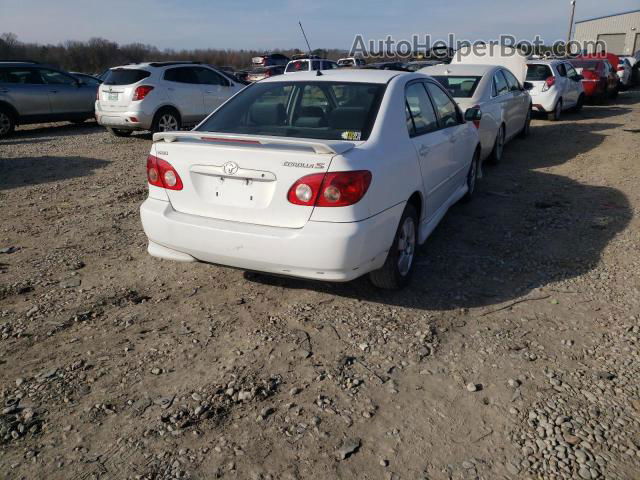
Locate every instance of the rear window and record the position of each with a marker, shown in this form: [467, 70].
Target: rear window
[302, 66]
[458, 86]
[125, 76]
[538, 73]
[319, 110]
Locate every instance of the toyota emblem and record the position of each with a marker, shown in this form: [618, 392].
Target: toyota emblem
[230, 168]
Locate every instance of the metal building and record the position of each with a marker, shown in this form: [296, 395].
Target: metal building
[620, 32]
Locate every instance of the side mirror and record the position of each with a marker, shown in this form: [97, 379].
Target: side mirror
[528, 86]
[473, 114]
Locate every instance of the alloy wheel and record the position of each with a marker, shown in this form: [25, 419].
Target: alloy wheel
[5, 123]
[167, 123]
[406, 246]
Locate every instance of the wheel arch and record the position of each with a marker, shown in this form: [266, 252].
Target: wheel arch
[417, 201]
[12, 110]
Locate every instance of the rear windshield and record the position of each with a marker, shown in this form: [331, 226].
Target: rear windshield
[320, 110]
[125, 76]
[538, 73]
[585, 64]
[459, 87]
[302, 66]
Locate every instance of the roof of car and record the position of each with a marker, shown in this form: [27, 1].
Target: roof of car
[459, 69]
[342, 75]
[550, 61]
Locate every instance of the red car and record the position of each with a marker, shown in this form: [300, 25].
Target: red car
[599, 78]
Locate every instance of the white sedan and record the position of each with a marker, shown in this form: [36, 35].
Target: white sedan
[326, 177]
[504, 103]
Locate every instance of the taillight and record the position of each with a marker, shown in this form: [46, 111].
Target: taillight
[336, 189]
[161, 173]
[141, 92]
[548, 83]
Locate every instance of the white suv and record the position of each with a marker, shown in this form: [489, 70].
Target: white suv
[557, 87]
[304, 65]
[161, 96]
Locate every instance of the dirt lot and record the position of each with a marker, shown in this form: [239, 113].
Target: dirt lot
[513, 355]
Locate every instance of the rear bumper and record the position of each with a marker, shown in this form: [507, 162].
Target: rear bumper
[129, 120]
[337, 252]
[544, 102]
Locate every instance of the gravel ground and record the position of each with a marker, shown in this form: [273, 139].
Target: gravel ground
[514, 354]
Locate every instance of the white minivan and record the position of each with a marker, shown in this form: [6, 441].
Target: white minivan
[327, 177]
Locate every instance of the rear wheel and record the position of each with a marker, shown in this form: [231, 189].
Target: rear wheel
[615, 92]
[526, 130]
[119, 132]
[398, 268]
[7, 122]
[580, 104]
[472, 178]
[166, 120]
[498, 146]
[557, 112]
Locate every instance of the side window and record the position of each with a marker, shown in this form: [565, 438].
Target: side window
[25, 76]
[445, 107]
[209, 77]
[571, 72]
[421, 116]
[500, 84]
[562, 70]
[57, 78]
[181, 75]
[512, 81]
[494, 89]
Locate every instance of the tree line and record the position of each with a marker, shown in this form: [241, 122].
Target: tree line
[98, 54]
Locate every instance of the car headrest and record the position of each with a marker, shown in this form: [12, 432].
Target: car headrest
[347, 118]
[269, 114]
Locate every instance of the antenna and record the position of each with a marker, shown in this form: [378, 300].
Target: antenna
[319, 73]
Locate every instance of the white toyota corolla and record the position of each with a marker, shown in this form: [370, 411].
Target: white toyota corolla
[326, 176]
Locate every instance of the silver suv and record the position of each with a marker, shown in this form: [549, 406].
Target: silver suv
[161, 96]
[34, 93]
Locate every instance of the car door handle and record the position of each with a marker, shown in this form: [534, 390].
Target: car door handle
[53, 91]
[171, 89]
[424, 150]
[3, 90]
[453, 139]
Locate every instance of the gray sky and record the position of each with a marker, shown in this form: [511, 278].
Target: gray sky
[268, 24]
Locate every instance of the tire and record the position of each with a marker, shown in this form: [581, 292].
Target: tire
[580, 104]
[472, 178]
[399, 266]
[166, 120]
[7, 122]
[498, 147]
[615, 93]
[557, 112]
[118, 132]
[79, 121]
[526, 130]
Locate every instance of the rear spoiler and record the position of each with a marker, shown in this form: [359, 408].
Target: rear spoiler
[329, 147]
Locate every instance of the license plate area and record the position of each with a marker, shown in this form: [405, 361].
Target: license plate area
[112, 96]
[233, 191]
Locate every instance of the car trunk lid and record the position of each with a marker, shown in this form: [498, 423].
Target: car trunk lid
[243, 178]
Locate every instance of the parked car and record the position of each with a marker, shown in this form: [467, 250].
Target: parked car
[397, 66]
[34, 93]
[599, 80]
[416, 65]
[270, 59]
[625, 73]
[503, 104]
[634, 62]
[87, 79]
[161, 96]
[557, 87]
[351, 62]
[306, 65]
[292, 177]
[261, 73]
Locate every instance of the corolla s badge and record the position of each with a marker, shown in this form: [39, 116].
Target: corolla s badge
[230, 168]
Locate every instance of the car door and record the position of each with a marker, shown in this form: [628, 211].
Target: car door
[564, 84]
[432, 146]
[66, 95]
[502, 101]
[216, 89]
[575, 82]
[185, 93]
[519, 103]
[24, 89]
[452, 123]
